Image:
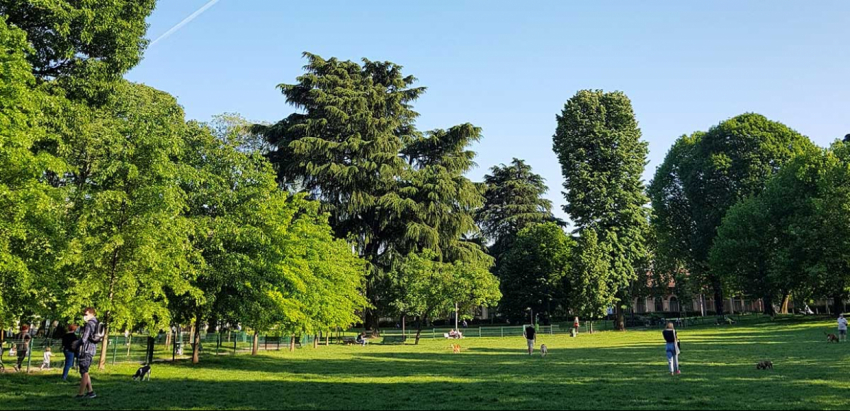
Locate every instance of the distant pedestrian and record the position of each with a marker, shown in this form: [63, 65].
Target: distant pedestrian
[576, 325]
[530, 335]
[69, 340]
[842, 327]
[672, 346]
[23, 346]
[465, 324]
[45, 365]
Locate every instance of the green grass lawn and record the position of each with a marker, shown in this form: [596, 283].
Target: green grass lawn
[601, 371]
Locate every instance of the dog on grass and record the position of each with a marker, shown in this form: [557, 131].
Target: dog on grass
[544, 350]
[455, 348]
[831, 338]
[764, 365]
[143, 373]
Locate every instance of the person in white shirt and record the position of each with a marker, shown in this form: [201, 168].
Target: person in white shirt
[842, 327]
[47, 355]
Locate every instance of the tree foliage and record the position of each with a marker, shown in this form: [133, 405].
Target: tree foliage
[602, 157]
[534, 272]
[704, 175]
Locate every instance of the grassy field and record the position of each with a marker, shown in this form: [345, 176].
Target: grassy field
[601, 371]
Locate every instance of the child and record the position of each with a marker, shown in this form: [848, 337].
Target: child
[46, 363]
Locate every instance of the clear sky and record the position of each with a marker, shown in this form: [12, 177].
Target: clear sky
[509, 66]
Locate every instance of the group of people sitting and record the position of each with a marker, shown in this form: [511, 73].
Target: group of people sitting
[454, 335]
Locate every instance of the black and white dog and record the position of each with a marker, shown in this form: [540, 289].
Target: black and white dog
[143, 373]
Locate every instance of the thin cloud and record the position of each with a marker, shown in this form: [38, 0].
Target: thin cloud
[185, 21]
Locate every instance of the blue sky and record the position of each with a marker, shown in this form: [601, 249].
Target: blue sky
[510, 66]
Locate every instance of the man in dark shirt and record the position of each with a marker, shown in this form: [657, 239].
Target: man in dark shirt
[24, 339]
[530, 337]
[88, 348]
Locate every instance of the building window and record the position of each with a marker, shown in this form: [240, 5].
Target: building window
[659, 304]
[674, 305]
[641, 305]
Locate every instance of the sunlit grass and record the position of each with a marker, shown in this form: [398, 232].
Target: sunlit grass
[601, 371]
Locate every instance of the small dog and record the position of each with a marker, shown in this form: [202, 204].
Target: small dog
[455, 348]
[544, 350]
[831, 338]
[143, 373]
[764, 365]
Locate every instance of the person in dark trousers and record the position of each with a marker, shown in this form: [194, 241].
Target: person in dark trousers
[530, 337]
[87, 350]
[68, 342]
[672, 345]
[24, 339]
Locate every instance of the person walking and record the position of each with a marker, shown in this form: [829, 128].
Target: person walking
[671, 340]
[530, 335]
[842, 328]
[87, 350]
[68, 342]
[23, 344]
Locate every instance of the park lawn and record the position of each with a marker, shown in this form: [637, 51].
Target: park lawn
[601, 371]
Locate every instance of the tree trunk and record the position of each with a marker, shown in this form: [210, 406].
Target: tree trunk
[767, 303]
[837, 303]
[103, 348]
[418, 330]
[621, 318]
[786, 298]
[315, 341]
[255, 347]
[328, 339]
[196, 344]
[291, 343]
[718, 298]
[591, 327]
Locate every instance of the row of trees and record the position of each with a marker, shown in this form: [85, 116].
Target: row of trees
[113, 200]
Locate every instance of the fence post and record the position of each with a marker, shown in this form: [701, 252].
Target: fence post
[502, 330]
[29, 355]
[434, 333]
[479, 332]
[234, 345]
[217, 343]
[114, 349]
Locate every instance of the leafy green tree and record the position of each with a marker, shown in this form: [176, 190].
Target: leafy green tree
[513, 200]
[429, 288]
[30, 228]
[591, 286]
[71, 37]
[602, 157]
[707, 173]
[128, 239]
[534, 271]
[388, 188]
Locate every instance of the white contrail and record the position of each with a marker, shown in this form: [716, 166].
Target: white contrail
[185, 21]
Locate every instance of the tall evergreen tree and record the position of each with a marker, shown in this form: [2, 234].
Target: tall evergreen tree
[513, 200]
[602, 157]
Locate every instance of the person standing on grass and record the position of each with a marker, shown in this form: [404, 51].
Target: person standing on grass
[24, 339]
[842, 327]
[576, 325]
[87, 349]
[530, 335]
[68, 342]
[672, 341]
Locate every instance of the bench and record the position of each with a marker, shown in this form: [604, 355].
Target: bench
[349, 340]
[395, 339]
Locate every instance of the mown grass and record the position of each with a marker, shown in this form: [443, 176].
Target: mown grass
[606, 370]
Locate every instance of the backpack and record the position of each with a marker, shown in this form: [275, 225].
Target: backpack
[99, 332]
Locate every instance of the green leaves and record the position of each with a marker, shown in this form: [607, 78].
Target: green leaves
[602, 159]
[707, 173]
[534, 271]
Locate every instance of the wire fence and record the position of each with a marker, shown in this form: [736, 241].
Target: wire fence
[179, 346]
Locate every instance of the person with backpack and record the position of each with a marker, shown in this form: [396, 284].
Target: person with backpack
[93, 333]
